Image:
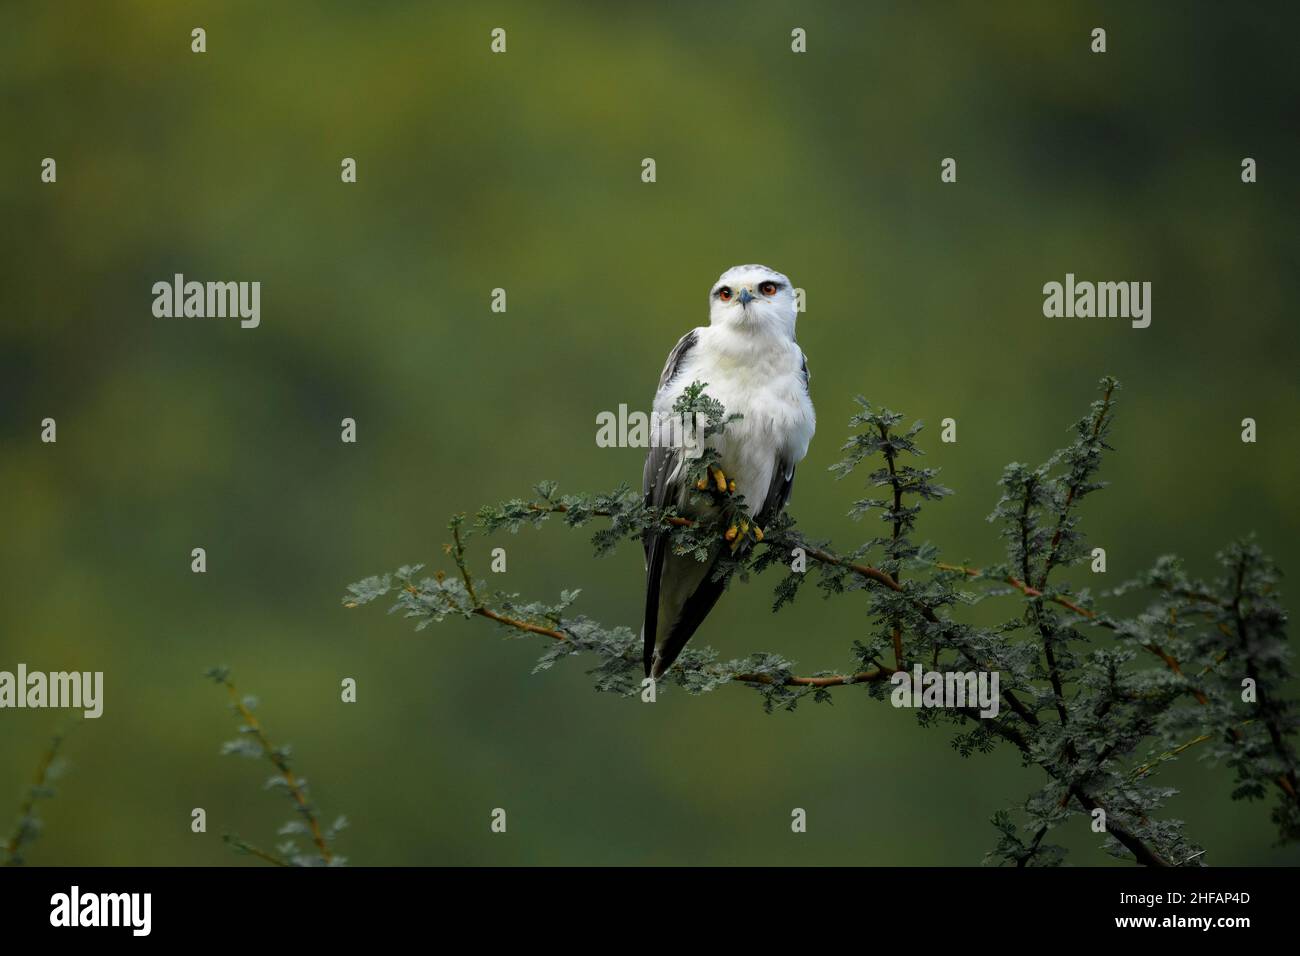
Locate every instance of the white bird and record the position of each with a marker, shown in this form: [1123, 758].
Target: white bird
[749, 361]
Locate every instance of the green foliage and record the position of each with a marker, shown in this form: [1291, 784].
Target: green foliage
[308, 843]
[878, 438]
[1229, 633]
[1096, 701]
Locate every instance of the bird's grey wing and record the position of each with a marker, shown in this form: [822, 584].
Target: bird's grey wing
[659, 460]
[778, 492]
[661, 484]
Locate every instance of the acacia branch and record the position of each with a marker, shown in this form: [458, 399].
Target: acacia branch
[890, 455]
[1025, 589]
[24, 825]
[1141, 852]
[1146, 768]
[277, 758]
[457, 552]
[828, 558]
[1036, 606]
[1053, 549]
[1032, 592]
[1287, 779]
[244, 847]
[1053, 671]
[922, 606]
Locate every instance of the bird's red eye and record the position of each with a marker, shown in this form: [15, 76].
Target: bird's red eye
[768, 288]
[724, 294]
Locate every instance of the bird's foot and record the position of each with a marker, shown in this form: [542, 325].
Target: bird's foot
[719, 477]
[737, 532]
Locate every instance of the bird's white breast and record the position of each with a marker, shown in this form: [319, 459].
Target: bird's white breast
[761, 378]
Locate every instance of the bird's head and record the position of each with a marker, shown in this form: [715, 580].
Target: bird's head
[753, 299]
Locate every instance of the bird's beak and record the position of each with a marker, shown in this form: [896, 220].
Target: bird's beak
[746, 296]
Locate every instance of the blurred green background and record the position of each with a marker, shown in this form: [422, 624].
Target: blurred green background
[522, 171]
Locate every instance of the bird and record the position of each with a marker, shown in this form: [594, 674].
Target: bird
[748, 360]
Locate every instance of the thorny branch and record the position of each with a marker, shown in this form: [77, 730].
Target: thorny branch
[293, 786]
[1105, 711]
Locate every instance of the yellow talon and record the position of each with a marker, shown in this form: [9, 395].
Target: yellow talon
[758, 533]
[736, 535]
[721, 479]
[702, 484]
[731, 486]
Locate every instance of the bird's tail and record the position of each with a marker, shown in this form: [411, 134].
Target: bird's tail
[680, 593]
